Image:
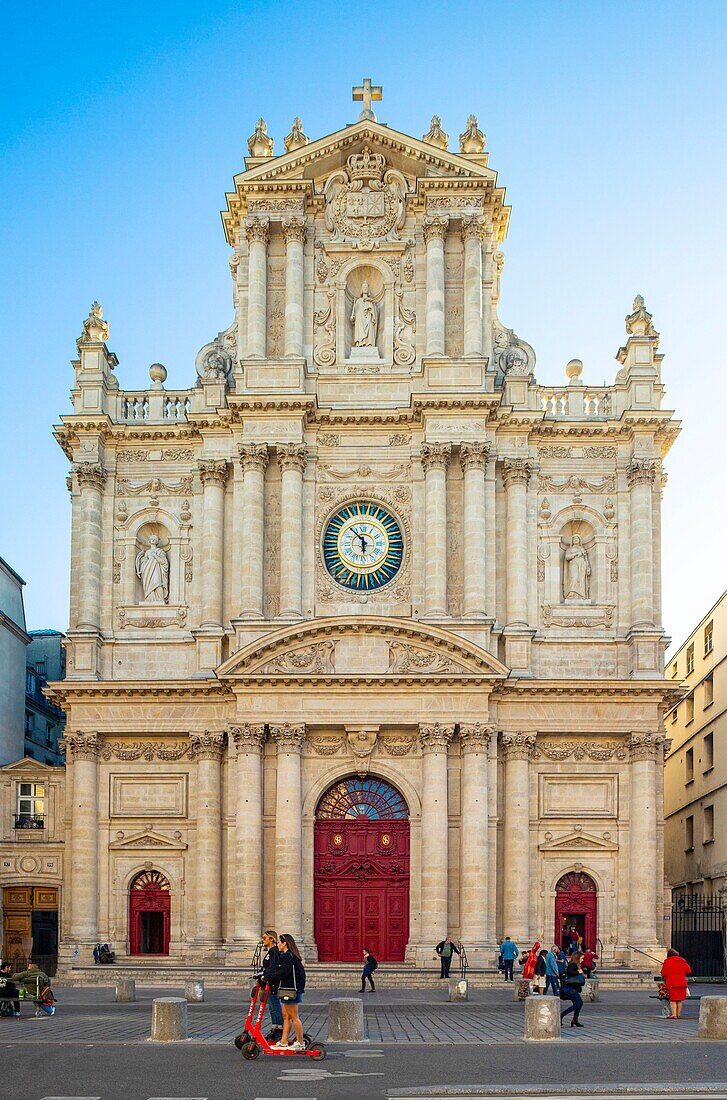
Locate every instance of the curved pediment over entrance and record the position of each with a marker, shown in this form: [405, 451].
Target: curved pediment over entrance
[365, 647]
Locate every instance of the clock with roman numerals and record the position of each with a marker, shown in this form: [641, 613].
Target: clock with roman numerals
[363, 546]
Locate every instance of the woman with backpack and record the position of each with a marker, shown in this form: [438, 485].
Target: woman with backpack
[369, 965]
[573, 983]
[290, 976]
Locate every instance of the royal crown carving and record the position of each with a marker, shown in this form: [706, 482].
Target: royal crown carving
[365, 203]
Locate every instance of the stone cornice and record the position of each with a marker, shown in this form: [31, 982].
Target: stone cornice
[653, 690]
[67, 692]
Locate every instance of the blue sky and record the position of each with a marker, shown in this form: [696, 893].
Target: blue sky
[122, 126]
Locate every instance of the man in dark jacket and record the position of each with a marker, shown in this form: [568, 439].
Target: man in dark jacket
[446, 949]
[8, 987]
[271, 961]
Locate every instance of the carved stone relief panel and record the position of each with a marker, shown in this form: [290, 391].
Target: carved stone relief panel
[455, 551]
[276, 323]
[454, 279]
[271, 552]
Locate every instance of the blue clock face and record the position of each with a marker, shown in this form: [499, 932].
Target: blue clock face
[363, 547]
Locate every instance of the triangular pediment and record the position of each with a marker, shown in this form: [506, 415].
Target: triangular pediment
[576, 840]
[28, 766]
[362, 647]
[148, 838]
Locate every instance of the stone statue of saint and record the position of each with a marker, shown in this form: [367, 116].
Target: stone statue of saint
[152, 567]
[365, 320]
[576, 571]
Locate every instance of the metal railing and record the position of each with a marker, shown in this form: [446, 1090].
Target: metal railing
[29, 821]
[257, 958]
[463, 963]
[47, 963]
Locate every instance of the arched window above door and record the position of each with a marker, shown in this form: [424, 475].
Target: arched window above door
[368, 797]
[576, 880]
[150, 880]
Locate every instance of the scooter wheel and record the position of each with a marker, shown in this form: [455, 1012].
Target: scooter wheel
[250, 1051]
[306, 1039]
[241, 1039]
[316, 1051]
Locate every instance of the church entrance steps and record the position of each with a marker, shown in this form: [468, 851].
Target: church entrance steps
[320, 976]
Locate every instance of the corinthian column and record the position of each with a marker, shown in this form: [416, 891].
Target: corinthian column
[254, 460]
[435, 457]
[434, 740]
[641, 474]
[435, 232]
[292, 458]
[473, 457]
[83, 855]
[294, 233]
[515, 475]
[248, 883]
[473, 231]
[288, 829]
[213, 473]
[207, 750]
[517, 749]
[258, 233]
[91, 478]
[646, 750]
[475, 900]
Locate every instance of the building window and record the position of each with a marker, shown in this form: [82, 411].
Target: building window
[29, 681]
[675, 714]
[31, 806]
[689, 704]
[708, 690]
[708, 751]
[689, 766]
[674, 670]
[708, 642]
[689, 834]
[708, 825]
[48, 734]
[690, 659]
[28, 724]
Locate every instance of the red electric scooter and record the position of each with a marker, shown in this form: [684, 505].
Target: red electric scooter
[252, 1040]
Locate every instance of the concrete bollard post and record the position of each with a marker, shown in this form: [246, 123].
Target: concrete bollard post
[590, 990]
[168, 1019]
[125, 989]
[459, 989]
[713, 1018]
[346, 1020]
[194, 991]
[542, 1018]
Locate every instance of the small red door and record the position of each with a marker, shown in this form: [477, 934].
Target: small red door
[150, 907]
[576, 906]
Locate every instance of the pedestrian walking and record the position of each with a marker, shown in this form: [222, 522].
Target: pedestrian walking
[571, 991]
[588, 961]
[370, 964]
[552, 980]
[9, 992]
[540, 972]
[572, 940]
[271, 961]
[674, 972]
[290, 976]
[445, 949]
[509, 952]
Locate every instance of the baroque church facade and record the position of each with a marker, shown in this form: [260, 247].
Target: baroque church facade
[365, 634]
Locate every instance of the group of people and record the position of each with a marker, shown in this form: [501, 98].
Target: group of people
[562, 972]
[34, 983]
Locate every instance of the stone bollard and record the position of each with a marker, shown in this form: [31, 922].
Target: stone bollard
[590, 990]
[194, 991]
[542, 1018]
[168, 1019]
[125, 989]
[713, 1018]
[522, 990]
[459, 989]
[346, 1020]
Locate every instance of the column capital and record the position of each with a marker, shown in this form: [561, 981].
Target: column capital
[516, 471]
[435, 737]
[213, 471]
[288, 737]
[473, 227]
[474, 456]
[518, 746]
[646, 746]
[292, 456]
[90, 473]
[476, 737]
[643, 471]
[253, 456]
[83, 746]
[435, 228]
[435, 456]
[247, 738]
[294, 228]
[257, 229]
[206, 745]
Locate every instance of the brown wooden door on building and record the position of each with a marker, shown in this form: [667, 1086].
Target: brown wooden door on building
[30, 925]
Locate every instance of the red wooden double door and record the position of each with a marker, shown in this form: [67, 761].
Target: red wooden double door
[361, 874]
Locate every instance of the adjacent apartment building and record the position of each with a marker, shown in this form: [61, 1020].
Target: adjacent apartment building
[695, 782]
[44, 720]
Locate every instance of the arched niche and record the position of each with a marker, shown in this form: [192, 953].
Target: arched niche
[596, 537]
[354, 273]
[134, 537]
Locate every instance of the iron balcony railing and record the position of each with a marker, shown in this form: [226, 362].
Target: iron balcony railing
[29, 821]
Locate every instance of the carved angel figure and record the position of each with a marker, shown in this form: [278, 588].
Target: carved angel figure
[152, 568]
[576, 571]
[365, 320]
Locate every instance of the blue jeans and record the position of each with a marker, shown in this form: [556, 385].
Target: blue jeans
[551, 980]
[276, 1012]
[576, 1004]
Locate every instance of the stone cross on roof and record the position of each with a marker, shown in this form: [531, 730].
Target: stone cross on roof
[367, 92]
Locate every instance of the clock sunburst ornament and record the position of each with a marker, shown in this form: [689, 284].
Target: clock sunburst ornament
[363, 546]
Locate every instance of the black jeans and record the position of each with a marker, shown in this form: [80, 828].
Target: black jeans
[508, 964]
[367, 972]
[576, 1005]
[446, 962]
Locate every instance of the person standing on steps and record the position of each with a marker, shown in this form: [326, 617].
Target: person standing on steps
[552, 979]
[509, 952]
[271, 961]
[369, 965]
[446, 949]
[674, 972]
[571, 991]
[588, 961]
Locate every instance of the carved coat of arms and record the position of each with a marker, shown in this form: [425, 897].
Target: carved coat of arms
[366, 202]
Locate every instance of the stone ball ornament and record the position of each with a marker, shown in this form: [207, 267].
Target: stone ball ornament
[158, 373]
[574, 369]
[363, 545]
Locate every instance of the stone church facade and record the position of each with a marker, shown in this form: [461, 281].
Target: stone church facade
[365, 634]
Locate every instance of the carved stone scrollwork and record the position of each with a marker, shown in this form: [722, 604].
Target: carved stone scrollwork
[476, 738]
[362, 743]
[146, 750]
[435, 456]
[472, 140]
[294, 228]
[518, 746]
[435, 228]
[90, 473]
[83, 746]
[206, 745]
[576, 485]
[248, 738]
[516, 471]
[474, 456]
[646, 746]
[473, 227]
[435, 737]
[436, 135]
[404, 332]
[288, 737]
[326, 744]
[258, 229]
[405, 659]
[365, 203]
[314, 659]
[580, 750]
[253, 456]
[324, 320]
[213, 472]
[95, 329]
[293, 456]
[643, 470]
[396, 745]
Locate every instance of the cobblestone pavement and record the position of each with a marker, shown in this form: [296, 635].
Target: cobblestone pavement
[408, 1017]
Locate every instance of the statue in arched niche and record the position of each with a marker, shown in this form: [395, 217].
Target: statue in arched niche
[152, 569]
[576, 571]
[365, 318]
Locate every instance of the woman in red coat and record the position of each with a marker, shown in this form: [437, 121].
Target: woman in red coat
[674, 972]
